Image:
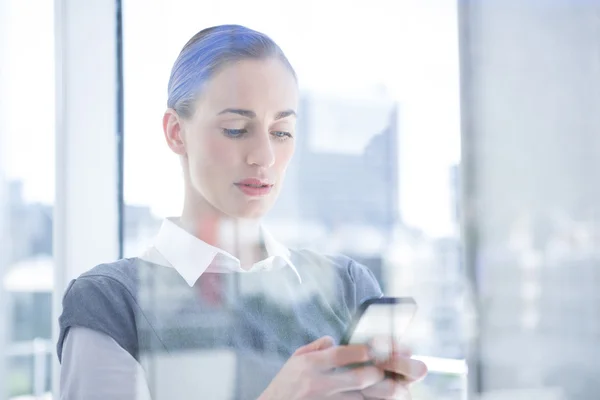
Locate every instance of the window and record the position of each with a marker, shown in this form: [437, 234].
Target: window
[375, 175]
[530, 164]
[27, 179]
[377, 149]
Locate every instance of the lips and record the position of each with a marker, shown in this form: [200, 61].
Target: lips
[254, 187]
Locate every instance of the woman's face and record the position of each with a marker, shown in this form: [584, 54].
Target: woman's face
[238, 143]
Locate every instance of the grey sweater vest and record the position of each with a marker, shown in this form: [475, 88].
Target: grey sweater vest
[244, 328]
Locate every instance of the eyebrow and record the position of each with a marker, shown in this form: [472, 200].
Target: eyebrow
[284, 114]
[252, 114]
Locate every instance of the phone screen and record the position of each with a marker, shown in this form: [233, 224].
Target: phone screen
[381, 322]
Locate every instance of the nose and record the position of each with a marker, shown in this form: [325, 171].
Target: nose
[261, 153]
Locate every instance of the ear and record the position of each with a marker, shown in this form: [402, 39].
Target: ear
[173, 130]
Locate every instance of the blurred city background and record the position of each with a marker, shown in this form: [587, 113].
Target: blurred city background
[453, 148]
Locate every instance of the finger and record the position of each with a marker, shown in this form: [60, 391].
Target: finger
[387, 344]
[387, 389]
[355, 379]
[405, 396]
[347, 396]
[411, 370]
[402, 350]
[341, 356]
[322, 343]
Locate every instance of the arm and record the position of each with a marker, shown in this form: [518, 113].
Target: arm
[98, 341]
[95, 367]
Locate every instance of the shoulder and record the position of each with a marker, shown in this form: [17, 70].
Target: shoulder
[304, 257]
[103, 299]
[104, 284]
[125, 276]
[354, 276]
[122, 272]
[339, 263]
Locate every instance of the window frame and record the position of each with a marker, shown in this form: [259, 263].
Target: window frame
[87, 202]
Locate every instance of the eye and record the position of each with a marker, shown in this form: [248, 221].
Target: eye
[281, 135]
[234, 133]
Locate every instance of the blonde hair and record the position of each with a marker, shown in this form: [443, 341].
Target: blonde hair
[210, 50]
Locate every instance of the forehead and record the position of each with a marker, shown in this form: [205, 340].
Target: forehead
[258, 85]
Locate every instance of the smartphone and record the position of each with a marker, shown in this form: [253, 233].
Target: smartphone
[381, 322]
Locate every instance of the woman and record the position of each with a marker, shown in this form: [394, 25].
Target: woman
[217, 308]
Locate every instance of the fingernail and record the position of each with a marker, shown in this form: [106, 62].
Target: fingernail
[417, 369]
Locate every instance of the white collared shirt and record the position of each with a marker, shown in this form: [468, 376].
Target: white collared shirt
[94, 366]
[191, 257]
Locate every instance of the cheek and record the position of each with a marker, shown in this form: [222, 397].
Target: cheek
[284, 155]
[214, 152]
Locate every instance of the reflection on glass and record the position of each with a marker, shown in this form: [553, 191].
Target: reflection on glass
[354, 144]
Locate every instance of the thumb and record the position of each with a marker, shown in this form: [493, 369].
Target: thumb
[322, 343]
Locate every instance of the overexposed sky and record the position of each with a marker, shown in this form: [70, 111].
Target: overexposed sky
[338, 48]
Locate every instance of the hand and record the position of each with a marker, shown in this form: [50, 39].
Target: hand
[401, 371]
[311, 373]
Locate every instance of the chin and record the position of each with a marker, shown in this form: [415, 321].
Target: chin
[252, 210]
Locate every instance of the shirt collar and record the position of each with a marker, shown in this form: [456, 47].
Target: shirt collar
[191, 257]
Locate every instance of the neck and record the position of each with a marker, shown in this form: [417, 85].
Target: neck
[239, 237]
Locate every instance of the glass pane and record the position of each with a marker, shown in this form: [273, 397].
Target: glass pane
[374, 175]
[533, 168]
[27, 163]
